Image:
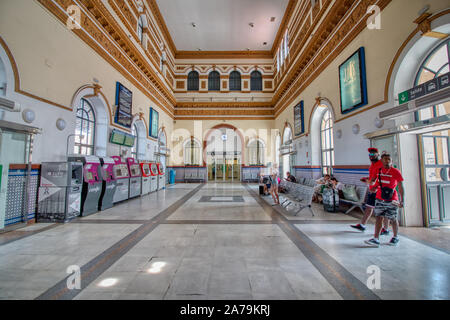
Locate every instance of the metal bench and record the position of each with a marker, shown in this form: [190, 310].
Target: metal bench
[298, 195]
[361, 191]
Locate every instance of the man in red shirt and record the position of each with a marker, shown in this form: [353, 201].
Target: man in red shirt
[387, 201]
[376, 164]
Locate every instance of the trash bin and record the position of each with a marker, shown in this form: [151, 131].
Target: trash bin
[172, 176]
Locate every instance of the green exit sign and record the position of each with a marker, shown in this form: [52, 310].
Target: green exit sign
[403, 97]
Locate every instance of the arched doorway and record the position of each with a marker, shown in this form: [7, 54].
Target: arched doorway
[277, 151]
[421, 152]
[139, 130]
[223, 153]
[162, 149]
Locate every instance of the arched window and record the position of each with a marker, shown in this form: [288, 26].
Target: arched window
[256, 81]
[85, 129]
[134, 148]
[435, 65]
[192, 84]
[214, 81]
[192, 153]
[256, 153]
[327, 143]
[235, 81]
[140, 30]
[277, 150]
[286, 150]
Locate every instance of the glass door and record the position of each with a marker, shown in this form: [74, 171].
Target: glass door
[220, 168]
[14, 149]
[388, 144]
[211, 161]
[237, 169]
[435, 172]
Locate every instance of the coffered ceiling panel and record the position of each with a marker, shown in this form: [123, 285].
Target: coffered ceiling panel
[222, 25]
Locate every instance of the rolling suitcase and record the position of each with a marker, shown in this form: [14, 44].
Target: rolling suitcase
[261, 190]
[330, 200]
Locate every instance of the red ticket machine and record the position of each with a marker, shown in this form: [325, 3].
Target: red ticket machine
[161, 177]
[155, 175]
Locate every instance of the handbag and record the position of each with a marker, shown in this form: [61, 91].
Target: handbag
[386, 192]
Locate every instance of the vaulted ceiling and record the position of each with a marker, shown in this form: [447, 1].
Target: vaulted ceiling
[222, 25]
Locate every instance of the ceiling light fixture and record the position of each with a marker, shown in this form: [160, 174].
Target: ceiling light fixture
[193, 24]
[251, 24]
[272, 19]
[264, 43]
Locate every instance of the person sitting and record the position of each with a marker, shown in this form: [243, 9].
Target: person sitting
[320, 184]
[337, 186]
[266, 182]
[290, 177]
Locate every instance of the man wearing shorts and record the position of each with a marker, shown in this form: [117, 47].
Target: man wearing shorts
[387, 202]
[274, 188]
[376, 164]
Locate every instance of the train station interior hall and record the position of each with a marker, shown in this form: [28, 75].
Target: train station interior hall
[224, 150]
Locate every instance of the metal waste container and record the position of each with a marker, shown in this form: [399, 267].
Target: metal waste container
[172, 176]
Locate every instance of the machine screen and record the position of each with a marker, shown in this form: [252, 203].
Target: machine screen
[89, 176]
[154, 169]
[118, 172]
[147, 172]
[134, 171]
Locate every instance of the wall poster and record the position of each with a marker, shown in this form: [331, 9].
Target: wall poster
[124, 98]
[352, 82]
[154, 123]
[299, 119]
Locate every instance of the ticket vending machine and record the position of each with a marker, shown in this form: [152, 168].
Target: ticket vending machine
[146, 177]
[92, 183]
[122, 177]
[162, 177]
[155, 175]
[108, 184]
[59, 198]
[135, 178]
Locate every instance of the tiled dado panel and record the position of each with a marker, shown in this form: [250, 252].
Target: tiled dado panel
[15, 195]
[344, 174]
[182, 172]
[351, 175]
[307, 172]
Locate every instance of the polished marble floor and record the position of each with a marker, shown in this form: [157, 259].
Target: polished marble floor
[216, 241]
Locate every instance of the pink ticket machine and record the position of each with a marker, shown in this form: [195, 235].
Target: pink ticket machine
[92, 183]
[135, 178]
[108, 184]
[122, 177]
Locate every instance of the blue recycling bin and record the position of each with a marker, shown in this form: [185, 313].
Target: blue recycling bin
[172, 176]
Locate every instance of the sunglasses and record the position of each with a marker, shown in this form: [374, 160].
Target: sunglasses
[372, 154]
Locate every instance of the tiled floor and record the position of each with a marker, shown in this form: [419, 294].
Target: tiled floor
[171, 245]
